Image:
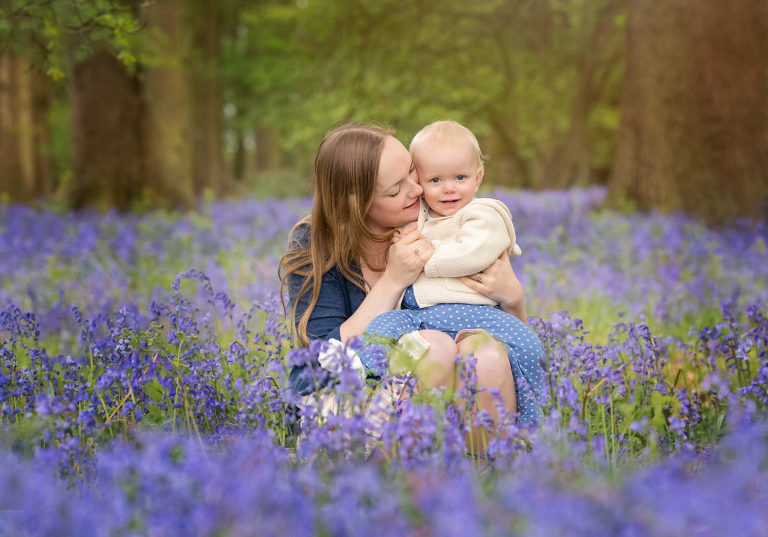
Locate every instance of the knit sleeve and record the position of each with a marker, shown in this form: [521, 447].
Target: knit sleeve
[480, 238]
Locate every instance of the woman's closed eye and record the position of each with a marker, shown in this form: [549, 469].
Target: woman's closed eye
[394, 194]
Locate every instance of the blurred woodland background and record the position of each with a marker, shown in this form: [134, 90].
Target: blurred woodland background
[135, 104]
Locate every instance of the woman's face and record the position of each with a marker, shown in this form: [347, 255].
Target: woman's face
[396, 196]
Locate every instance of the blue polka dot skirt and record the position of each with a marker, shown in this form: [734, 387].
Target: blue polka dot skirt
[525, 350]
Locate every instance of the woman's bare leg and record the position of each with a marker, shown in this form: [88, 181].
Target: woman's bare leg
[437, 368]
[493, 373]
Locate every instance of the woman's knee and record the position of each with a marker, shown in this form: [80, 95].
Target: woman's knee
[437, 365]
[487, 351]
[493, 366]
[440, 346]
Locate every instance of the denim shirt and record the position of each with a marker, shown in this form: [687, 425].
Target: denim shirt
[339, 299]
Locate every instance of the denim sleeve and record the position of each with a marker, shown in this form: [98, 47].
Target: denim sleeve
[330, 310]
[324, 323]
[332, 307]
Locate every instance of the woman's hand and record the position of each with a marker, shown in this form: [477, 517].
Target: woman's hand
[407, 256]
[499, 283]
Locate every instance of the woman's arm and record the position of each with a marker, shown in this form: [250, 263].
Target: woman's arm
[329, 311]
[382, 297]
[500, 283]
[405, 261]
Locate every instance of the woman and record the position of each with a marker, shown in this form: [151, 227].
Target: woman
[344, 266]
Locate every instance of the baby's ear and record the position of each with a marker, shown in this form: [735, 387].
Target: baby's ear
[480, 174]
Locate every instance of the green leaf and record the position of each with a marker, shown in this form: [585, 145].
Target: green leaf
[127, 58]
[55, 73]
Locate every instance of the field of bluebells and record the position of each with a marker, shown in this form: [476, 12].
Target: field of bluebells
[143, 385]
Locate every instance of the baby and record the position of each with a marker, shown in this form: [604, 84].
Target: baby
[468, 235]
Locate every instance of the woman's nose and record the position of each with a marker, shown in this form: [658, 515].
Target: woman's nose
[416, 188]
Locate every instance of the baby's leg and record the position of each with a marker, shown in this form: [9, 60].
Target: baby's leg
[430, 354]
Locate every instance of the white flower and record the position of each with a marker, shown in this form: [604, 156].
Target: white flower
[338, 356]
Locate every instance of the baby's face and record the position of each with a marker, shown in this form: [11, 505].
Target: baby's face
[449, 174]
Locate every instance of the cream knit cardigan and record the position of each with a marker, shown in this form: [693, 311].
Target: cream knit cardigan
[465, 243]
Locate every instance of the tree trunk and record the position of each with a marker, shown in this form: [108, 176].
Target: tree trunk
[694, 131]
[107, 113]
[570, 160]
[238, 159]
[505, 165]
[267, 149]
[206, 100]
[24, 130]
[168, 124]
[41, 135]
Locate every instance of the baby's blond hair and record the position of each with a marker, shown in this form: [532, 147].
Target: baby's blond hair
[446, 131]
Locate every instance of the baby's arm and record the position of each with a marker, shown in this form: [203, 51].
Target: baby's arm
[480, 239]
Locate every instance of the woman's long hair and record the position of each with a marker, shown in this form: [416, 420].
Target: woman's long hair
[346, 167]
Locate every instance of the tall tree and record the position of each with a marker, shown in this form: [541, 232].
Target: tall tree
[203, 62]
[107, 113]
[24, 129]
[571, 159]
[694, 130]
[168, 119]
[128, 98]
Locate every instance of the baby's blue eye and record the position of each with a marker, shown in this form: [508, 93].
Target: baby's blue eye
[461, 177]
[434, 180]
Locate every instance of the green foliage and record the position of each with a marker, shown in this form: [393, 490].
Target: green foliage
[51, 32]
[509, 70]
[281, 183]
[516, 72]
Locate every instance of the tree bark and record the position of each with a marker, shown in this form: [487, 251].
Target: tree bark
[570, 160]
[505, 164]
[41, 135]
[267, 150]
[168, 122]
[107, 112]
[694, 131]
[12, 163]
[206, 105]
[24, 130]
